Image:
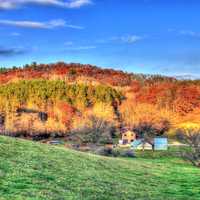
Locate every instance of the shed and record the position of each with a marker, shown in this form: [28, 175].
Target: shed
[138, 144]
[160, 144]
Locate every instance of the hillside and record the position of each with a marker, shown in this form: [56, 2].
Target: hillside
[55, 99]
[37, 171]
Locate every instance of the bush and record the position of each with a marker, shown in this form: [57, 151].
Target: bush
[113, 152]
[128, 153]
[105, 151]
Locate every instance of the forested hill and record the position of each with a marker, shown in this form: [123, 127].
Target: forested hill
[66, 96]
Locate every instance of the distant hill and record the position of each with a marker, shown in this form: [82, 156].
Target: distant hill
[70, 71]
[74, 71]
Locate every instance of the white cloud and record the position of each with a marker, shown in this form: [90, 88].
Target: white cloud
[39, 25]
[129, 39]
[78, 48]
[77, 3]
[185, 32]
[189, 33]
[126, 39]
[13, 4]
[7, 5]
[71, 46]
[74, 26]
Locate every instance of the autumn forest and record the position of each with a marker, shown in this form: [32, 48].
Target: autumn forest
[40, 100]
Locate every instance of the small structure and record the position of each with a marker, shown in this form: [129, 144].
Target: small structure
[138, 144]
[127, 137]
[159, 144]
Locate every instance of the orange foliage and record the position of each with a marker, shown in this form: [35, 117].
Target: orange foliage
[147, 97]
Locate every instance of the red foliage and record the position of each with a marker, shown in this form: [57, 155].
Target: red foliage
[187, 99]
[67, 113]
[180, 97]
[151, 93]
[109, 76]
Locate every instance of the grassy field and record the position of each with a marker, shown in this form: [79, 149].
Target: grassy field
[33, 171]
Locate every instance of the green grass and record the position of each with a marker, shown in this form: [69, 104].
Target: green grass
[33, 171]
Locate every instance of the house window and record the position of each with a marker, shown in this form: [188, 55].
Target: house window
[125, 141]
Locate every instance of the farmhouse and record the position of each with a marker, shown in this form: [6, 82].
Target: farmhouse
[127, 137]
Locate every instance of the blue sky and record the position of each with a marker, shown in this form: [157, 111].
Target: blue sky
[143, 36]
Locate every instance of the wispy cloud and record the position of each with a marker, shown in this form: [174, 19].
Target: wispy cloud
[13, 4]
[76, 3]
[186, 32]
[126, 39]
[129, 39]
[11, 51]
[39, 25]
[189, 33]
[78, 48]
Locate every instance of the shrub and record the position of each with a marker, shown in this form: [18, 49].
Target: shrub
[113, 152]
[104, 151]
[128, 153]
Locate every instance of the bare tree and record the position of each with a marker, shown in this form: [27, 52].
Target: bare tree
[147, 130]
[98, 131]
[192, 139]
